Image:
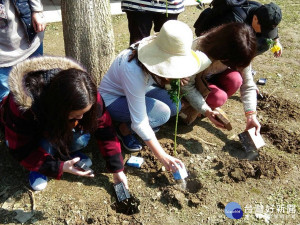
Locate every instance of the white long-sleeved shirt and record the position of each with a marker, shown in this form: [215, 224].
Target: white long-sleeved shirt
[128, 79]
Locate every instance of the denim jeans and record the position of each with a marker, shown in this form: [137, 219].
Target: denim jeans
[4, 72]
[158, 105]
[80, 141]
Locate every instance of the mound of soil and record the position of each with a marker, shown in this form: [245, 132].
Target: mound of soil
[277, 108]
[129, 206]
[277, 113]
[266, 166]
[282, 138]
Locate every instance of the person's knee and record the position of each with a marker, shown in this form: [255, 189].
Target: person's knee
[218, 102]
[234, 81]
[216, 98]
[166, 114]
[163, 115]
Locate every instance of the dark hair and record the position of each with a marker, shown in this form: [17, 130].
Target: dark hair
[55, 96]
[232, 43]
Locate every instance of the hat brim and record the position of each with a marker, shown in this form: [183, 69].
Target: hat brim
[164, 64]
[270, 33]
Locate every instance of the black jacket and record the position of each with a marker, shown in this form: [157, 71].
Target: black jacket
[242, 14]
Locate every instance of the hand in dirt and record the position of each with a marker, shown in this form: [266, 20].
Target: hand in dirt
[211, 115]
[253, 122]
[184, 81]
[171, 163]
[70, 168]
[38, 21]
[120, 177]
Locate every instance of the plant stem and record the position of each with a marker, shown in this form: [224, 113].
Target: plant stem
[177, 108]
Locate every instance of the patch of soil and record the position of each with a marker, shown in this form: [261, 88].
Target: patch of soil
[129, 206]
[176, 193]
[187, 192]
[277, 111]
[157, 172]
[281, 138]
[266, 166]
[277, 108]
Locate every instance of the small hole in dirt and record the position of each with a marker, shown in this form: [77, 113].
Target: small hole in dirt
[193, 186]
[129, 206]
[90, 220]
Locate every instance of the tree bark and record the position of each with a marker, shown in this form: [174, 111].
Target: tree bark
[88, 34]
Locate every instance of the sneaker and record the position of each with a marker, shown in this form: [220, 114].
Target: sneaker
[83, 158]
[37, 181]
[130, 142]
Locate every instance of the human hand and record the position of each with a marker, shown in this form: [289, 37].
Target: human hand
[38, 21]
[120, 177]
[69, 167]
[171, 163]
[211, 115]
[251, 121]
[184, 81]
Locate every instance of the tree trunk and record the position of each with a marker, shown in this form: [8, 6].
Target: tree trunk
[88, 34]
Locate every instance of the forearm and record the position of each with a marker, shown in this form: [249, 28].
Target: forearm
[196, 100]
[156, 148]
[248, 90]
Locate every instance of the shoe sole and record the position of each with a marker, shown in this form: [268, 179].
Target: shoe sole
[128, 149]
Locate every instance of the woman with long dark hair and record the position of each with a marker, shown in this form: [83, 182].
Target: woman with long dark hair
[52, 109]
[230, 47]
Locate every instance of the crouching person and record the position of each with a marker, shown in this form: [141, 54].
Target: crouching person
[51, 110]
[231, 48]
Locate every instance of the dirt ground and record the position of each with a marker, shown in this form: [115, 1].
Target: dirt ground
[264, 183]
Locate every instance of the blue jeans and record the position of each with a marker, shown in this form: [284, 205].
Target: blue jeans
[80, 141]
[158, 104]
[4, 72]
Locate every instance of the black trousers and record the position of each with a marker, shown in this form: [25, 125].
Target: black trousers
[140, 23]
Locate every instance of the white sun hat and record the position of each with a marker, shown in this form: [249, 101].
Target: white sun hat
[169, 54]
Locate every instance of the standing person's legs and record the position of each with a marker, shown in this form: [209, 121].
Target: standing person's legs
[139, 25]
[4, 90]
[160, 18]
[222, 87]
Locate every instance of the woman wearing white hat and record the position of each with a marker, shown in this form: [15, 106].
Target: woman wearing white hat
[130, 87]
